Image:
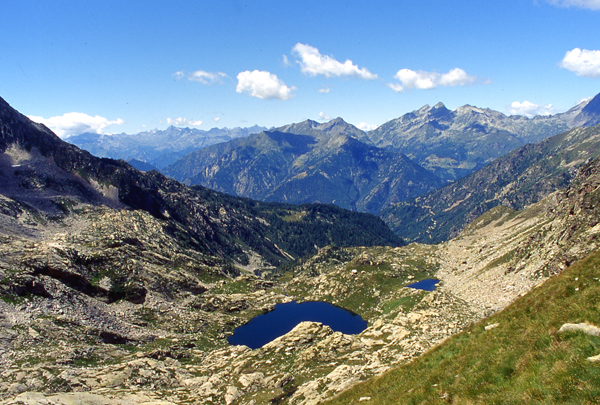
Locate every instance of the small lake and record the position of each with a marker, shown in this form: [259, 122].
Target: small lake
[266, 327]
[427, 284]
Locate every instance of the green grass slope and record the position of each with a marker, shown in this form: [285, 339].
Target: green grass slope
[523, 360]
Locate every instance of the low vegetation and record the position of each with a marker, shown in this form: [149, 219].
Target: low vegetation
[514, 357]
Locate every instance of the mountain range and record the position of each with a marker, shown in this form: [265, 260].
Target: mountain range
[46, 177]
[157, 148]
[455, 143]
[307, 162]
[337, 163]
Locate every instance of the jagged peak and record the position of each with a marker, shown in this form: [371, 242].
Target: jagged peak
[426, 108]
[467, 108]
[592, 106]
[300, 127]
[338, 120]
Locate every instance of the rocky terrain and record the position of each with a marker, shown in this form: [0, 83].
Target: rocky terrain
[121, 287]
[75, 342]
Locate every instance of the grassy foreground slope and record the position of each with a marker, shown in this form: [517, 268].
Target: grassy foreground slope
[521, 360]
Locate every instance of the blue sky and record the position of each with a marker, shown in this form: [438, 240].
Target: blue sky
[128, 66]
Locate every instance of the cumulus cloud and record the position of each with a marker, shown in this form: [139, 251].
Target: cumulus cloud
[324, 90]
[589, 4]
[179, 75]
[313, 63]
[324, 117]
[75, 123]
[183, 122]
[264, 85]
[530, 109]
[366, 127]
[582, 62]
[217, 119]
[410, 79]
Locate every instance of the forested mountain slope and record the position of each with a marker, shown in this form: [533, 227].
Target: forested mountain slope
[521, 177]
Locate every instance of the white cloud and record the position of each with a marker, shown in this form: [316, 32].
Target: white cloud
[183, 122]
[179, 75]
[396, 87]
[590, 4]
[366, 127]
[411, 79]
[530, 109]
[286, 61]
[324, 117]
[456, 77]
[582, 62]
[324, 90]
[206, 77]
[217, 119]
[75, 123]
[264, 85]
[313, 63]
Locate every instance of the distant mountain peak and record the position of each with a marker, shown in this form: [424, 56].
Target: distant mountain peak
[467, 108]
[437, 110]
[319, 130]
[423, 110]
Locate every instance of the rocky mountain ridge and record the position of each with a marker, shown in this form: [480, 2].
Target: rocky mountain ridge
[520, 178]
[455, 143]
[51, 176]
[307, 162]
[335, 162]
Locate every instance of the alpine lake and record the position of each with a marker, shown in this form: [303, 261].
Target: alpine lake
[266, 327]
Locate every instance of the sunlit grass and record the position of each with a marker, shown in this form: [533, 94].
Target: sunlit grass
[522, 360]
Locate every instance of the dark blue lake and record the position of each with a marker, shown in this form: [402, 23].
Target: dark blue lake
[265, 327]
[427, 284]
